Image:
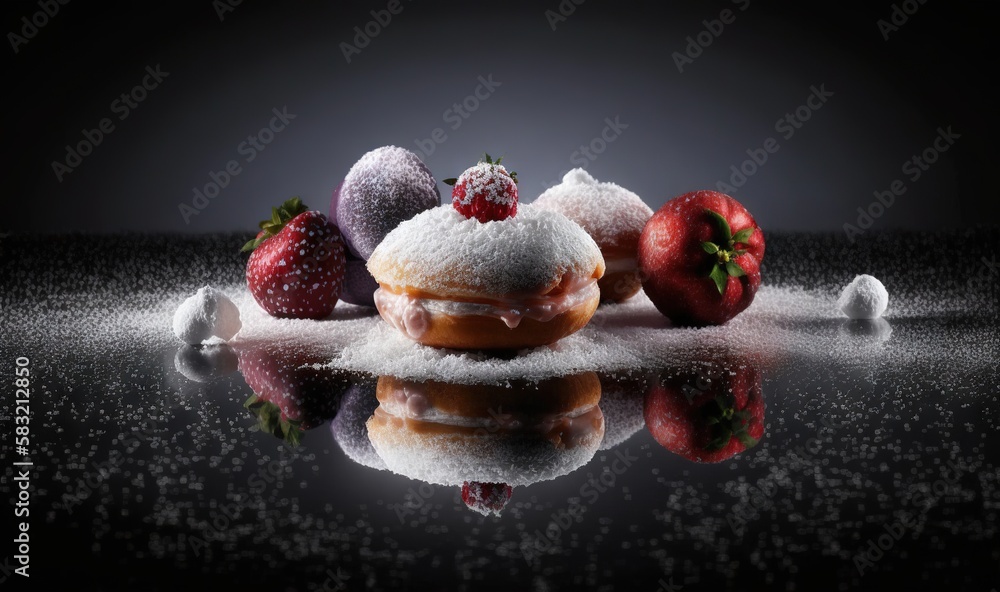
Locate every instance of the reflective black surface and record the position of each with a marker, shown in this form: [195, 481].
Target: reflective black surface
[871, 466]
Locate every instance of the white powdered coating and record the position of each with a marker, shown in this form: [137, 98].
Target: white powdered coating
[621, 404]
[488, 180]
[864, 298]
[517, 460]
[442, 252]
[209, 315]
[605, 210]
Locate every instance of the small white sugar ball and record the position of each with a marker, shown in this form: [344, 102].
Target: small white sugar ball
[206, 315]
[864, 298]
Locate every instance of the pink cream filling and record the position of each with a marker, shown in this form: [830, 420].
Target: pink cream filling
[574, 426]
[412, 315]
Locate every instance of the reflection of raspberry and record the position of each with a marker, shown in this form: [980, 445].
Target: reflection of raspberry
[486, 192]
[486, 498]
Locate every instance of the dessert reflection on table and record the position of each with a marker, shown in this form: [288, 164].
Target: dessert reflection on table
[707, 409]
[488, 439]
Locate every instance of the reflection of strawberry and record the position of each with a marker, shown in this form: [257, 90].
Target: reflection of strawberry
[707, 415]
[290, 394]
[296, 269]
[486, 498]
[485, 192]
[700, 258]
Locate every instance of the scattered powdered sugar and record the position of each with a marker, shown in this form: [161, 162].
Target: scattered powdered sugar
[611, 214]
[492, 181]
[864, 298]
[440, 251]
[207, 316]
[385, 187]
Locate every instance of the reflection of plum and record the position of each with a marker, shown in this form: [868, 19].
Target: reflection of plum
[709, 412]
[485, 438]
[292, 393]
[349, 428]
[204, 363]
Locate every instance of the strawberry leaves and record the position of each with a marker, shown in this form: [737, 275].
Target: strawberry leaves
[280, 216]
[725, 251]
[727, 423]
[487, 159]
[270, 420]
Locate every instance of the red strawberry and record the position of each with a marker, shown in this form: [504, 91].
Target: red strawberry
[486, 498]
[700, 258]
[709, 414]
[485, 192]
[297, 266]
[291, 393]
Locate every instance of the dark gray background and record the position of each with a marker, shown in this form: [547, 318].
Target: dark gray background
[605, 60]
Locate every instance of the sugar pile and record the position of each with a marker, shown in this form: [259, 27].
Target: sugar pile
[208, 316]
[864, 298]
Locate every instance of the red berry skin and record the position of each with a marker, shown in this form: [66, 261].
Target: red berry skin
[290, 379]
[486, 498]
[485, 192]
[677, 411]
[676, 268]
[299, 272]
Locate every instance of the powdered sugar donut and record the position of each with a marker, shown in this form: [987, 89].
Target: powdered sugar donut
[613, 216]
[450, 281]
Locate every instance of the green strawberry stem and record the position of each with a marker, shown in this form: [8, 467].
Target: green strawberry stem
[488, 160]
[280, 216]
[725, 251]
[727, 423]
[270, 420]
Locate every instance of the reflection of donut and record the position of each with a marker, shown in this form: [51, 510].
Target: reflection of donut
[517, 434]
[613, 216]
[449, 281]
